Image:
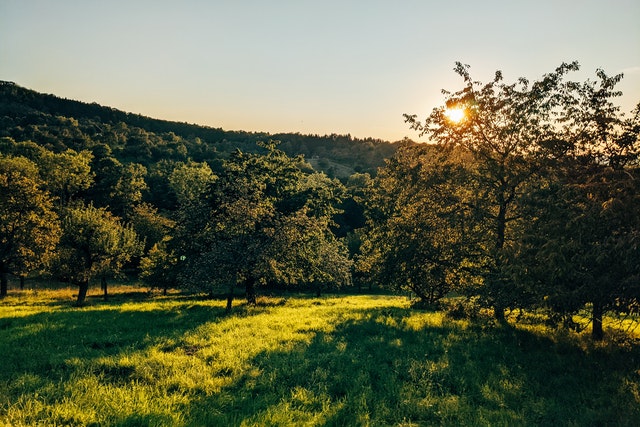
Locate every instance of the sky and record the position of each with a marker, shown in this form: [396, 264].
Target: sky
[314, 67]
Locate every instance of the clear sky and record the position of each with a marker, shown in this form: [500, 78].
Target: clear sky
[323, 66]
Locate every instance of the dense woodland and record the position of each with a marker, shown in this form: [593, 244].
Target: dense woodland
[530, 202]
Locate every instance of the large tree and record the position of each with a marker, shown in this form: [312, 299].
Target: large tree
[237, 231]
[502, 126]
[94, 244]
[29, 228]
[420, 233]
[582, 245]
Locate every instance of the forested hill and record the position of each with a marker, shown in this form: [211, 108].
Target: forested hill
[57, 124]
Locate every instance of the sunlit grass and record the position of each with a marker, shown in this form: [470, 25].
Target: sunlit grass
[297, 360]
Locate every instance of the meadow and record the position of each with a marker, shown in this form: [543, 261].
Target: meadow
[338, 360]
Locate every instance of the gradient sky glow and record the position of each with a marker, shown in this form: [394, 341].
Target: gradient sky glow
[324, 66]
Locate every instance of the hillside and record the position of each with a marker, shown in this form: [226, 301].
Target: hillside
[58, 123]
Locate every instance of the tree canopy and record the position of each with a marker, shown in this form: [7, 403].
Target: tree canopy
[29, 228]
[552, 158]
[93, 243]
[244, 228]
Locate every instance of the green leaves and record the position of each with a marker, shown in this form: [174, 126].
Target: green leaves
[29, 227]
[418, 228]
[262, 220]
[94, 242]
[550, 185]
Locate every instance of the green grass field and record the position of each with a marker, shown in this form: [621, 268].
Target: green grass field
[180, 360]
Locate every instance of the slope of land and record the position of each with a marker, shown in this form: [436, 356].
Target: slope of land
[59, 123]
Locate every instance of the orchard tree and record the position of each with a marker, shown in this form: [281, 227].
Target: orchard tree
[503, 126]
[305, 251]
[29, 228]
[583, 242]
[158, 268]
[234, 232]
[421, 233]
[94, 244]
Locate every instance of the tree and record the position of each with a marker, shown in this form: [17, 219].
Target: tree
[420, 231]
[305, 251]
[66, 174]
[94, 243]
[128, 189]
[150, 226]
[582, 246]
[158, 267]
[503, 126]
[235, 232]
[189, 180]
[29, 228]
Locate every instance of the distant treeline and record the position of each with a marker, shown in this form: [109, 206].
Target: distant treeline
[59, 123]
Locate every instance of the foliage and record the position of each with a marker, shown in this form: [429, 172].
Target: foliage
[29, 228]
[93, 243]
[547, 158]
[58, 124]
[241, 228]
[189, 180]
[128, 189]
[151, 226]
[529, 201]
[421, 229]
[66, 174]
[304, 250]
[158, 268]
[582, 247]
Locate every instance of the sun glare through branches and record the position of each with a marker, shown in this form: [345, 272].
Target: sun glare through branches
[455, 115]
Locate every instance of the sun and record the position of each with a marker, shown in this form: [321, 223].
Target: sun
[455, 114]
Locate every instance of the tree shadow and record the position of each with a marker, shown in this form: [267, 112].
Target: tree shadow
[381, 370]
[388, 367]
[49, 340]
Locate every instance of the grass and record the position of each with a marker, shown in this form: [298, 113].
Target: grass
[137, 360]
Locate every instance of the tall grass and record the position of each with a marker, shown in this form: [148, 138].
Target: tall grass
[355, 360]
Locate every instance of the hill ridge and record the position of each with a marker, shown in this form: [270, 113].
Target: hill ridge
[337, 155]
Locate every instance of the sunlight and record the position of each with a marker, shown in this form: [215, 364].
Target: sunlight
[455, 115]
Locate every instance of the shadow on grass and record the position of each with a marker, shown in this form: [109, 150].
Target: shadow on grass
[47, 341]
[390, 366]
[381, 371]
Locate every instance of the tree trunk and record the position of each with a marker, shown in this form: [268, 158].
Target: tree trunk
[4, 283]
[230, 297]
[22, 279]
[501, 226]
[250, 289]
[103, 285]
[83, 287]
[596, 332]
